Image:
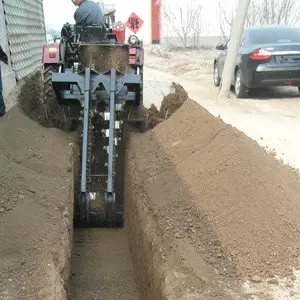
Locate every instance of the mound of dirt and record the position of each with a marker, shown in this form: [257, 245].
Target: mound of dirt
[104, 58]
[36, 209]
[173, 100]
[169, 105]
[216, 192]
[30, 96]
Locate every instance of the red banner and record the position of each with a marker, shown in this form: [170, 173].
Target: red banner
[134, 23]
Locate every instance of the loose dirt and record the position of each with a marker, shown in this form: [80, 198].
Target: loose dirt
[227, 208]
[206, 207]
[169, 105]
[104, 58]
[102, 266]
[35, 209]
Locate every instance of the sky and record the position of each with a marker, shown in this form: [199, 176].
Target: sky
[58, 12]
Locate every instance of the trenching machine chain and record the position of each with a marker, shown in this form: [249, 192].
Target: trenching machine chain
[100, 201]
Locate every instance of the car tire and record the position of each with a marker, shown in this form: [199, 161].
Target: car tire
[217, 79]
[239, 88]
[299, 89]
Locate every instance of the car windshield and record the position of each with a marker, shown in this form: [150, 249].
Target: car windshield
[274, 35]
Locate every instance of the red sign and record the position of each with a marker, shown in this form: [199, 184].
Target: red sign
[134, 23]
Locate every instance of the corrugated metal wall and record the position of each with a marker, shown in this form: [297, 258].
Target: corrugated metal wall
[25, 28]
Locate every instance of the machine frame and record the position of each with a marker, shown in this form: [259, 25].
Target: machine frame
[103, 102]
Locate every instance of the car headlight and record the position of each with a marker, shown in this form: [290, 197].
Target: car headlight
[133, 40]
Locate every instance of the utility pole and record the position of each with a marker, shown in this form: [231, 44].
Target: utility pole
[233, 47]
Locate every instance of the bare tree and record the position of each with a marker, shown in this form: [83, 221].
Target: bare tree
[184, 22]
[280, 12]
[261, 12]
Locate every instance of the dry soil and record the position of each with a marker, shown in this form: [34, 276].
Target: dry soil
[102, 266]
[206, 207]
[35, 209]
[227, 208]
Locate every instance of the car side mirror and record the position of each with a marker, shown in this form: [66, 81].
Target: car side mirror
[221, 47]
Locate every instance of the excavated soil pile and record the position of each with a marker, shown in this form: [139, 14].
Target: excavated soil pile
[169, 105]
[104, 58]
[30, 100]
[36, 208]
[216, 196]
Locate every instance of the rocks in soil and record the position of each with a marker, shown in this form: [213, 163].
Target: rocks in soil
[256, 279]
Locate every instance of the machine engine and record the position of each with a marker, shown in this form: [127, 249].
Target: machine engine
[94, 79]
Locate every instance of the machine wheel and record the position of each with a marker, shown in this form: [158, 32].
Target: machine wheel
[54, 113]
[84, 209]
[239, 88]
[217, 79]
[143, 126]
[119, 222]
[49, 99]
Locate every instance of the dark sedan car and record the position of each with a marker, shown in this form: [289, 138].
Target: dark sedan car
[269, 56]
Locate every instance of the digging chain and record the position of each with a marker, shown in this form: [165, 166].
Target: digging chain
[89, 162]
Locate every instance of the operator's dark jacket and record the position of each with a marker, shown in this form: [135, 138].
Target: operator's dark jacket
[88, 13]
[3, 56]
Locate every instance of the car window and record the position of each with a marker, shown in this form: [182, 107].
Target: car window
[274, 36]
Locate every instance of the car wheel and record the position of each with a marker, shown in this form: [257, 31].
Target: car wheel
[217, 79]
[239, 88]
[299, 89]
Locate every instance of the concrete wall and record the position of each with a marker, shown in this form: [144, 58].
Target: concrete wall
[26, 34]
[8, 76]
[22, 34]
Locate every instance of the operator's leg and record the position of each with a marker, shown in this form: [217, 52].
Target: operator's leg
[2, 104]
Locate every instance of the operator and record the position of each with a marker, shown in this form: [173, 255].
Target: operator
[3, 58]
[88, 13]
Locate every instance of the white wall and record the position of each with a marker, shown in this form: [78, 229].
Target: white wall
[8, 76]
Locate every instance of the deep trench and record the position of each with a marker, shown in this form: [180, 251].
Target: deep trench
[106, 264]
[102, 266]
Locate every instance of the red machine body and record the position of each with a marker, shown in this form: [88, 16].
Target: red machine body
[50, 53]
[118, 29]
[133, 55]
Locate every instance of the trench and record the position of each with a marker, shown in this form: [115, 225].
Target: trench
[102, 267]
[103, 264]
